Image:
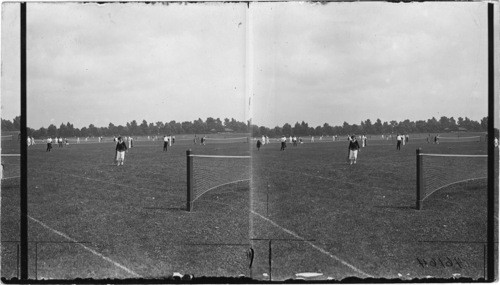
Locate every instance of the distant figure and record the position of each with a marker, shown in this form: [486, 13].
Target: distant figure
[66, 141]
[121, 147]
[263, 140]
[283, 143]
[49, 144]
[436, 139]
[77, 140]
[495, 142]
[129, 142]
[312, 139]
[60, 142]
[363, 141]
[195, 139]
[407, 138]
[165, 143]
[267, 140]
[258, 144]
[398, 138]
[294, 141]
[403, 139]
[173, 139]
[29, 141]
[429, 138]
[353, 150]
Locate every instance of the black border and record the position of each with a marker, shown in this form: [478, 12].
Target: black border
[189, 279]
[491, 149]
[24, 152]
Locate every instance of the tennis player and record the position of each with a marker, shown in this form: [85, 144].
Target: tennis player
[121, 147]
[283, 143]
[165, 143]
[398, 138]
[49, 144]
[258, 144]
[353, 150]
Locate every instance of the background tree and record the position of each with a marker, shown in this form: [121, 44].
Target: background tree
[8, 126]
[52, 131]
[287, 129]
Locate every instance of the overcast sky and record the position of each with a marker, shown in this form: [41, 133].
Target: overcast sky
[90, 63]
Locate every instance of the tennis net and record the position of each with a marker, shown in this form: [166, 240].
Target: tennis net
[209, 172]
[438, 171]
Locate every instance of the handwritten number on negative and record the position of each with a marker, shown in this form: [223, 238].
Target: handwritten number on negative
[440, 262]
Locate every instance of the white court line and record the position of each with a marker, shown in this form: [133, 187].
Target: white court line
[303, 239]
[314, 246]
[88, 249]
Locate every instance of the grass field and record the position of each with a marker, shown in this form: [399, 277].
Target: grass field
[305, 210]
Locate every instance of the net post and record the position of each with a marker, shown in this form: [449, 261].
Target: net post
[419, 179]
[189, 180]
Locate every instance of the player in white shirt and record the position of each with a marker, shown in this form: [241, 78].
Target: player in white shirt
[398, 138]
[283, 143]
[165, 143]
[49, 144]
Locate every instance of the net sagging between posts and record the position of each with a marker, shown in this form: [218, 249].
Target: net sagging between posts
[227, 140]
[437, 171]
[208, 172]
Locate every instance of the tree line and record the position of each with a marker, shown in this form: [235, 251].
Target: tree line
[133, 128]
[444, 124]
[211, 125]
